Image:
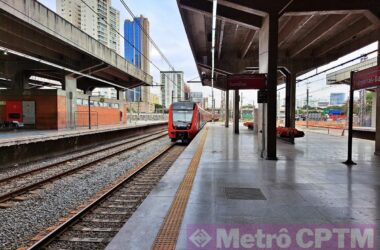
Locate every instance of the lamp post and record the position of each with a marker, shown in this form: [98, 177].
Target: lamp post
[89, 92]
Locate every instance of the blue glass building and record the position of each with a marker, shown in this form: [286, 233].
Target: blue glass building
[132, 51]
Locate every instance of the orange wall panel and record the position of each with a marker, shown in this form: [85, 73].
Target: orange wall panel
[61, 111]
[99, 116]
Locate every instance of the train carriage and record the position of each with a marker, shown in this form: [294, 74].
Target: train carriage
[186, 119]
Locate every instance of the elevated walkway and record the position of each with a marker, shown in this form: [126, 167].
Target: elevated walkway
[307, 185]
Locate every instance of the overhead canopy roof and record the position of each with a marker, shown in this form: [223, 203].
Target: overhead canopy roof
[32, 29]
[311, 33]
[343, 76]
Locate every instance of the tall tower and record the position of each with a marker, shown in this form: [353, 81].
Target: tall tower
[95, 17]
[137, 51]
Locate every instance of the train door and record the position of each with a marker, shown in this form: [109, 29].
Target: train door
[29, 113]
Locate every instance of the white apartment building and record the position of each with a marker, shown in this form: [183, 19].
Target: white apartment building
[173, 87]
[95, 17]
[114, 21]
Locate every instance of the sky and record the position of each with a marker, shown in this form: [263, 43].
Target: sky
[167, 31]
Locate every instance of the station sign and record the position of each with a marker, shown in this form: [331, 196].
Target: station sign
[246, 81]
[366, 79]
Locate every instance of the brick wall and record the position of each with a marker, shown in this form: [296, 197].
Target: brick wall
[99, 116]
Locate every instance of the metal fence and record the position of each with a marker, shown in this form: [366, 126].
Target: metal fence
[147, 117]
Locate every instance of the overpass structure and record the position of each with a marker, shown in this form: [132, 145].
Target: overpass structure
[264, 35]
[35, 41]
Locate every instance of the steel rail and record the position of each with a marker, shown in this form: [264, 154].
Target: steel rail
[41, 244]
[8, 196]
[7, 179]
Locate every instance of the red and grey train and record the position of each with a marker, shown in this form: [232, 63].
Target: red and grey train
[186, 119]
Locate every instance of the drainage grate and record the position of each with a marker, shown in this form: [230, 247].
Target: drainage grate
[244, 193]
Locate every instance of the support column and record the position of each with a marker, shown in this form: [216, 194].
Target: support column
[120, 95]
[290, 100]
[227, 108]
[268, 42]
[71, 100]
[236, 111]
[377, 142]
[373, 112]
[287, 101]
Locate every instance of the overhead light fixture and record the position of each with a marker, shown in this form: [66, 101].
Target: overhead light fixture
[5, 52]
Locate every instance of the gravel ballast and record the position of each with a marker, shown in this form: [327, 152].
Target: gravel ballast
[25, 219]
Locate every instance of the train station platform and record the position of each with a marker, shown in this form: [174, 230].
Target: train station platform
[21, 146]
[234, 186]
[20, 136]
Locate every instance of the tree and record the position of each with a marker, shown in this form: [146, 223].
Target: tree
[356, 107]
[247, 106]
[157, 107]
[369, 101]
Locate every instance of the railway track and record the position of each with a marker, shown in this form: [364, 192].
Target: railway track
[13, 187]
[94, 225]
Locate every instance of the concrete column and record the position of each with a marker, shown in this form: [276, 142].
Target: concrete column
[236, 111]
[71, 100]
[268, 42]
[227, 108]
[290, 101]
[287, 101]
[120, 95]
[373, 112]
[377, 142]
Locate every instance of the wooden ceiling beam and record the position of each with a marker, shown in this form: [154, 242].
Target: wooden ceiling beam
[252, 37]
[317, 33]
[228, 14]
[292, 27]
[221, 37]
[348, 34]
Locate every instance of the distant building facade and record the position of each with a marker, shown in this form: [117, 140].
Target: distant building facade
[196, 97]
[137, 52]
[172, 89]
[337, 99]
[205, 103]
[95, 17]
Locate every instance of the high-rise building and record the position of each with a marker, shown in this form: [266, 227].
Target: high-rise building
[172, 89]
[114, 21]
[337, 98]
[137, 51]
[95, 17]
[197, 97]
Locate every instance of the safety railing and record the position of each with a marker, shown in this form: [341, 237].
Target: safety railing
[147, 117]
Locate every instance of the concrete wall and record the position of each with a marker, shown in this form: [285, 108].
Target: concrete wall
[40, 17]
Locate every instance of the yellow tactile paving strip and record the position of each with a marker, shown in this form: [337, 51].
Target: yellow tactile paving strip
[166, 238]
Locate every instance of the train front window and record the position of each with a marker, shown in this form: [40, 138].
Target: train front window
[182, 115]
